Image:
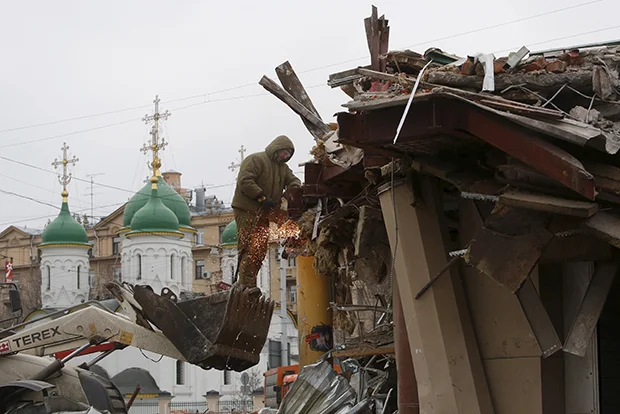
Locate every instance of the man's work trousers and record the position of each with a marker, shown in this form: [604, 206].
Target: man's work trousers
[252, 244]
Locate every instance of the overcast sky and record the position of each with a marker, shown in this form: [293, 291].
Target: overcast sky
[68, 59]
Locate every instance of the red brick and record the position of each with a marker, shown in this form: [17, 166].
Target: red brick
[468, 68]
[557, 66]
[538, 64]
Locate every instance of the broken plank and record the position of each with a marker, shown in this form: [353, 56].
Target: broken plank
[549, 204]
[293, 103]
[523, 110]
[344, 78]
[538, 318]
[401, 79]
[605, 226]
[583, 327]
[505, 259]
[292, 84]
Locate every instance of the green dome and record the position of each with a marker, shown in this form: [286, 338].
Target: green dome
[154, 217]
[169, 197]
[229, 235]
[64, 230]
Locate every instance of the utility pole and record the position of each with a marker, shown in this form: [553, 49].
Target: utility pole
[92, 195]
[284, 330]
[233, 166]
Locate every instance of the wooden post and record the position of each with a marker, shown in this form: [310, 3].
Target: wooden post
[445, 355]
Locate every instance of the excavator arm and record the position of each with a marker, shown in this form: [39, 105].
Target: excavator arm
[90, 325]
[226, 330]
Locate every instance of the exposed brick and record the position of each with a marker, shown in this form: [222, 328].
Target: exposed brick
[557, 66]
[498, 65]
[468, 68]
[536, 65]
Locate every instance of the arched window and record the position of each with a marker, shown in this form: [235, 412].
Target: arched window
[78, 276]
[183, 277]
[172, 266]
[139, 266]
[49, 278]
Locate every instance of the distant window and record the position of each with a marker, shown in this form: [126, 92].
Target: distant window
[172, 266]
[227, 379]
[292, 294]
[49, 278]
[180, 373]
[116, 245]
[200, 268]
[200, 237]
[91, 278]
[78, 276]
[183, 278]
[118, 276]
[292, 261]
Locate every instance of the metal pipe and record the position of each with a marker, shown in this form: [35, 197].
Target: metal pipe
[408, 400]
[283, 315]
[133, 396]
[314, 310]
[75, 353]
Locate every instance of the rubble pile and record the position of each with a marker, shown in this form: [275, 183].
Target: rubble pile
[574, 84]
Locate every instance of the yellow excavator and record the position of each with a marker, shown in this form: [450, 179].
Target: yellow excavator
[226, 330]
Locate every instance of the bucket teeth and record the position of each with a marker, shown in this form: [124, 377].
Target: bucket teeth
[226, 330]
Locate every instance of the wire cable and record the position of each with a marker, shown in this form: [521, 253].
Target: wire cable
[233, 88]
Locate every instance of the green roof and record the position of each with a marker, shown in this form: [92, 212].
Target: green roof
[169, 197]
[64, 230]
[229, 235]
[154, 217]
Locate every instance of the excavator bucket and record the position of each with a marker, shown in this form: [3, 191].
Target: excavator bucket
[225, 330]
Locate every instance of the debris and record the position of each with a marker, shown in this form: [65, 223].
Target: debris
[318, 390]
[584, 115]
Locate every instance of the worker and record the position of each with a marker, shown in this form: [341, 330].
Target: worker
[263, 178]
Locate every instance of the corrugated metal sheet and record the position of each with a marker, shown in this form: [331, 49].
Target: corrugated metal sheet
[319, 390]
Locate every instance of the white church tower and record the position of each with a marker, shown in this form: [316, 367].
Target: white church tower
[64, 252]
[156, 238]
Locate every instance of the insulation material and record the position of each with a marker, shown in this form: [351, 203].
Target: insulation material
[319, 390]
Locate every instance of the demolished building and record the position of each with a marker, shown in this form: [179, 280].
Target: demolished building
[465, 212]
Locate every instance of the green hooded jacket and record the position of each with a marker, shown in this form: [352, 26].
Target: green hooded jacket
[261, 174]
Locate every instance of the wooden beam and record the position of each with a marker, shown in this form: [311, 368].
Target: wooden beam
[362, 352]
[605, 226]
[293, 103]
[580, 335]
[446, 359]
[549, 204]
[548, 82]
[292, 84]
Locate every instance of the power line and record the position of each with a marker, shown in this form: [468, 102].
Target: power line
[207, 94]
[28, 198]
[567, 37]
[115, 205]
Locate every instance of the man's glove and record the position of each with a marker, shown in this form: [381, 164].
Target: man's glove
[266, 203]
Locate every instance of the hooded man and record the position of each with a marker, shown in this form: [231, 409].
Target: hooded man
[263, 177]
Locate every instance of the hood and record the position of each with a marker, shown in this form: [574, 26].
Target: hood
[281, 142]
